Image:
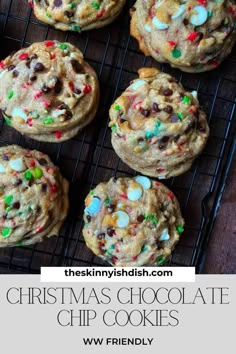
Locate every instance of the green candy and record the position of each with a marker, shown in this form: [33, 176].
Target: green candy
[48, 120]
[6, 231]
[117, 108]
[75, 28]
[186, 100]
[107, 201]
[152, 218]
[10, 94]
[7, 120]
[8, 199]
[37, 172]
[180, 229]
[161, 260]
[95, 5]
[63, 46]
[176, 53]
[144, 248]
[180, 116]
[114, 128]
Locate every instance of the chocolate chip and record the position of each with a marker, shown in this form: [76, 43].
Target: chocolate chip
[18, 183]
[155, 107]
[44, 187]
[111, 208]
[110, 231]
[77, 67]
[88, 217]
[16, 205]
[39, 67]
[140, 218]
[34, 56]
[163, 142]
[58, 85]
[200, 36]
[101, 236]
[122, 120]
[77, 91]
[69, 14]
[145, 112]
[167, 92]
[186, 22]
[201, 128]
[42, 161]
[33, 78]
[139, 140]
[11, 67]
[168, 109]
[176, 138]
[15, 73]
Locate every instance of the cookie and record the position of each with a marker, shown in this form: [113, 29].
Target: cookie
[77, 15]
[48, 91]
[191, 35]
[157, 127]
[132, 222]
[33, 197]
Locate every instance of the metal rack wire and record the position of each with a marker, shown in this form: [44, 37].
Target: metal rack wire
[89, 158]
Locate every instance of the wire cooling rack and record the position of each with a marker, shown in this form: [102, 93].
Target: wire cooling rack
[89, 158]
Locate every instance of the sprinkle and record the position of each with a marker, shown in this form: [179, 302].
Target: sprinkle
[58, 134]
[2, 65]
[53, 188]
[8, 199]
[144, 248]
[151, 217]
[176, 53]
[180, 116]
[87, 89]
[161, 260]
[186, 100]
[210, 14]
[37, 173]
[114, 127]
[172, 43]
[180, 229]
[52, 56]
[10, 94]
[101, 13]
[108, 201]
[7, 120]
[48, 120]
[75, 28]
[170, 195]
[23, 56]
[95, 5]
[63, 46]
[28, 175]
[6, 231]
[48, 15]
[49, 43]
[192, 36]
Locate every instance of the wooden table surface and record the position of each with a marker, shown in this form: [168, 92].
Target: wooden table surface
[221, 255]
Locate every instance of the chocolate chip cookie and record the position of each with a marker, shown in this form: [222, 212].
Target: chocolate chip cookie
[158, 128]
[132, 222]
[78, 15]
[33, 197]
[48, 91]
[191, 35]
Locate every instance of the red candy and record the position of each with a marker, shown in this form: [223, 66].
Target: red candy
[192, 36]
[170, 195]
[87, 89]
[172, 43]
[101, 13]
[49, 43]
[203, 2]
[58, 134]
[23, 56]
[2, 65]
